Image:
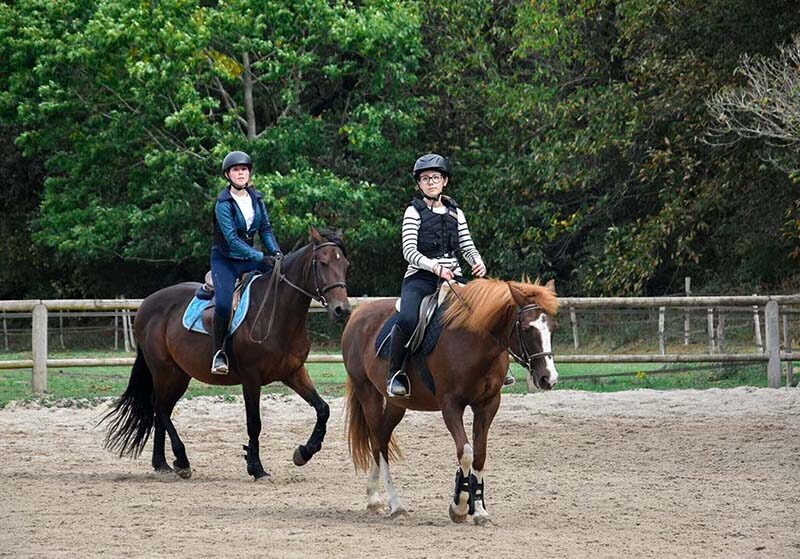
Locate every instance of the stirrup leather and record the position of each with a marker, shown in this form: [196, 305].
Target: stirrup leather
[219, 364]
[401, 378]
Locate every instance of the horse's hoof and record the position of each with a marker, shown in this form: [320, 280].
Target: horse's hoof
[184, 473]
[376, 507]
[262, 476]
[482, 520]
[454, 514]
[397, 513]
[298, 459]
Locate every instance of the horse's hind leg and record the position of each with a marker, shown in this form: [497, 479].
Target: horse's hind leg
[168, 391]
[483, 416]
[301, 383]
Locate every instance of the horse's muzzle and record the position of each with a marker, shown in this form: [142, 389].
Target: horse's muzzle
[339, 312]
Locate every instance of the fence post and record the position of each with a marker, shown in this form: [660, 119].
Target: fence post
[662, 311]
[721, 331]
[131, 335]
[573, 318]
[39, 349]
[125, 336]
[711, 333]
[688, 284]
[773, 348]
[757, 326]
[787, 344]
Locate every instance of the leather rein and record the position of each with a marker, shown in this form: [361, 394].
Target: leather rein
[526, 359]
[277, 276]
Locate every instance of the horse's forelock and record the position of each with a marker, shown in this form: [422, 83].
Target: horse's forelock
[539, 294]
[335, 238]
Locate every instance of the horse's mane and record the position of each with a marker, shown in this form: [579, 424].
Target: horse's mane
[486, 301]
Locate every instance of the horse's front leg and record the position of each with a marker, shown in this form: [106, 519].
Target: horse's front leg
[301, 383]
[453, 414]
[484, 414]
[251, 390]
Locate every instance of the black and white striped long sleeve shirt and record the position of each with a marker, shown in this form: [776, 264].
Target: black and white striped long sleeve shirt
[418, 261]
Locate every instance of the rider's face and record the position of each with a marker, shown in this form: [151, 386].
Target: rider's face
[239, 175]
[431, 183]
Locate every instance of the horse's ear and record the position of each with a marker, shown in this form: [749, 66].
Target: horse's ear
[517, 294]
[339, 233]
[551, 286]
[314, 235]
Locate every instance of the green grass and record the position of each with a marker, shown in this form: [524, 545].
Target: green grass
[85, 386]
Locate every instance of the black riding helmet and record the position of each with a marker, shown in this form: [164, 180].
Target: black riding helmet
[431, 161]
[236, 158]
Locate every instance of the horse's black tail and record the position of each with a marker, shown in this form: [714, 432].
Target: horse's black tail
[134, 413]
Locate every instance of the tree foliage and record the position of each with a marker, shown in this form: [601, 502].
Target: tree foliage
[578, 133]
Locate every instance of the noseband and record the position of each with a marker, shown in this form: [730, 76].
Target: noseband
[319, 294]
[527, 357]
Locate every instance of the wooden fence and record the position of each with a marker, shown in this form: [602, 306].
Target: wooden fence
[771, 354]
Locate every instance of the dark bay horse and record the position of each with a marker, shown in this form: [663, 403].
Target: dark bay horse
[169, 356]
[487, 320]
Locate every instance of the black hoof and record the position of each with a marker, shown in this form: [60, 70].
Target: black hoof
[262, 476]
[184, 472]
[299, 458]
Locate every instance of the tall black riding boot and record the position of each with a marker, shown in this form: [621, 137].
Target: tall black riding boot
[219, 364]
[398, 385]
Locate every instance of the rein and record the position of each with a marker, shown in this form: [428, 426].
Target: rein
[526, 359]
[276, 274]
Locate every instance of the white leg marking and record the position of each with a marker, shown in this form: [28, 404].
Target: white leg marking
[396, 506]
[547, 346]
[374, 500]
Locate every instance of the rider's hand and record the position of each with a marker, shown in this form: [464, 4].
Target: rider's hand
[277, 255]
[478, 270]
[444, 273]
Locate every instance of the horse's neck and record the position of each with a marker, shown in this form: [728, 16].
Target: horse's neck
[291, 306]
[501, 328]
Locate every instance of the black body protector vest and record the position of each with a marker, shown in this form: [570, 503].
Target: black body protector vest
[438, 233]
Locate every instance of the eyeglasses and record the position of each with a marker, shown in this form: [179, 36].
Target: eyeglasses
[432, 179]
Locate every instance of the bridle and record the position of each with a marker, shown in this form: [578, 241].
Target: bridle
[526, 359]
[318, 295]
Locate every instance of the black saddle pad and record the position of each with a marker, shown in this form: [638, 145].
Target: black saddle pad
[432, 333]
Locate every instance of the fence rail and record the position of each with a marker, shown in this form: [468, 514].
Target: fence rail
[772, 355]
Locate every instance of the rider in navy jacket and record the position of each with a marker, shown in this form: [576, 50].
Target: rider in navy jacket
[238, 214]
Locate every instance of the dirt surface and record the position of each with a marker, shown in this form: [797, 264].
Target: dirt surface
[712, 473]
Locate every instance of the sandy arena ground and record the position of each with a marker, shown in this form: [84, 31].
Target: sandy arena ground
[683, 474]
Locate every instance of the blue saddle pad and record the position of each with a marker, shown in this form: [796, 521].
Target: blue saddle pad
[193, 316]
[428, 342]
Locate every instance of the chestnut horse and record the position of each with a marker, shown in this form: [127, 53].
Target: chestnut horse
[169, 356]
[484, 321]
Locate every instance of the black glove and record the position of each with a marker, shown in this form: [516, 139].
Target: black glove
[277, 256]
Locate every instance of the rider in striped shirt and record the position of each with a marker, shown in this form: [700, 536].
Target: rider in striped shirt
[434, 232]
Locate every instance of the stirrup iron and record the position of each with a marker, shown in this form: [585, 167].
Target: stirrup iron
[401, 380]
[219, 363]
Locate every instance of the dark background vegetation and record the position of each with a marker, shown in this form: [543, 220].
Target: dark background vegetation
[580, 132]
